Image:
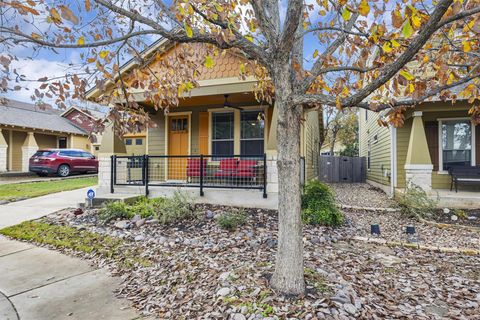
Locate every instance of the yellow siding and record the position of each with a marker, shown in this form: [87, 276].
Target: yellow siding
[134, 149]
[380, 150]
[156, 136]
[403, 137]
[45, 141]
[80, 142]
[311, 133]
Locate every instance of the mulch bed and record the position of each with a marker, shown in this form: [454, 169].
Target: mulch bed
[458, 217]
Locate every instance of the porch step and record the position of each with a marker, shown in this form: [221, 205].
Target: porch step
[99, 201]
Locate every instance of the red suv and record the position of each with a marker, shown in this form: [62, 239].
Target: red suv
[62, 162]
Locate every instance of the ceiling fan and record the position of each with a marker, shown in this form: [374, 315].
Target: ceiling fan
[226, 104]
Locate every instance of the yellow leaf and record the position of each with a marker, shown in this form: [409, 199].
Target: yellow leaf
[81, 40]
[218, 7]
[342, 2]
[364, 8]
[416, 20]
[397, 18]
[103, 54]
[35, 36]
[242, 68]
[387, 47]
[209, 62]
[249, 38]
[315, 53]
[426, 59]
[411, 88]
[407, 29]
[346, 14]
[466, 46]
[188, 30]
[408, 76]
[87, 5]
[395, 43]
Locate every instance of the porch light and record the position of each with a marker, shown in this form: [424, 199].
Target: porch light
[410, 230]
[375, 229]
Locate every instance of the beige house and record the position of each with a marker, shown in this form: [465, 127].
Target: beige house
[25, 128]
[220, 120]
[135, 143]
[435, 136]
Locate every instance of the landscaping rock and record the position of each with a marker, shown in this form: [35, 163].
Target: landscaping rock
[136, 218]
[350, 308]
[238, 316]
[122, 224]
[453, 217]
[209, 214]
[225, 291]
[446, 210]
[140, 223]
[139, 238]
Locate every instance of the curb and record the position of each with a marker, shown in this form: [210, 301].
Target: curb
[448, 225]
[465, 251]
[371, 209]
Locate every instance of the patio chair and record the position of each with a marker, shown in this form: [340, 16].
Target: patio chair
[193, 168]
[227, 169]
[246, 170]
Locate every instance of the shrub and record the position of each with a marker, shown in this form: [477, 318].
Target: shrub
[415, 203]
[115, 210]
[177, 208]
[232, 220]
[318, 205]
[145, 207]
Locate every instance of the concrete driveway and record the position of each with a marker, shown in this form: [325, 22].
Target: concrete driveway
[41, 284]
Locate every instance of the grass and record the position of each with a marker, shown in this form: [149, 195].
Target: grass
[64, 237]
[36, 189]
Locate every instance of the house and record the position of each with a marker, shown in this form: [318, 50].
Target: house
[25, 128]
[220, 142]
[135, 143]
[435, 136]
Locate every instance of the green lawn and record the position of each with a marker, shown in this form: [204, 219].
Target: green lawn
[35, 189]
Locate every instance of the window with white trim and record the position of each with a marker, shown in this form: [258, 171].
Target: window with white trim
[222, 133]
[456, 143]
[252, 128]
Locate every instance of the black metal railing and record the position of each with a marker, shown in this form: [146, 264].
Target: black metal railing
[194, 171]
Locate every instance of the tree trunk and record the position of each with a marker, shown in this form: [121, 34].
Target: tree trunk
[332, 143]
[321, 128]
[288, 277]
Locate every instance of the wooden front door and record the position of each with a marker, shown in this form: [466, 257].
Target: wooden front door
[178, 138]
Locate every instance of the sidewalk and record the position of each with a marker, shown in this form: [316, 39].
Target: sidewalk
[40, 284]
[15, 212]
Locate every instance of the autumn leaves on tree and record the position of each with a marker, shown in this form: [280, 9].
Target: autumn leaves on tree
[304, 54]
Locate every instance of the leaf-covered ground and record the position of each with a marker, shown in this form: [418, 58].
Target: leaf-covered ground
[200, 271]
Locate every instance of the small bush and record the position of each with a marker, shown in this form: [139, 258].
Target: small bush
[115, 210]
[318, 205]
[177, 208]
[415, 203]
[145, 207]
[232, 220]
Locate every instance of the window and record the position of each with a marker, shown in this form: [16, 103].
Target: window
[128, 142]
[70, 153]
[252, 133]
[369, 153]
[43, 153]
[366, 115]
[87, 155]
[375, 138]
[97, 148]
[222, 133]
[456, 143]
[62, 142]
[138, 142]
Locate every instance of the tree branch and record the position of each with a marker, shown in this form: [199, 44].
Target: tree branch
[292, 20]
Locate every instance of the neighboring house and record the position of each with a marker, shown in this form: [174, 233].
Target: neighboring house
[135, 143]
[337, 148]
[435, 136]
[25, 128]
[220, 118]
[89, 121]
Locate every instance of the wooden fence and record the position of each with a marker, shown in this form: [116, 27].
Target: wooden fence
[341, 169]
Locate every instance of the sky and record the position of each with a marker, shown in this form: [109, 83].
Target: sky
[37, 64]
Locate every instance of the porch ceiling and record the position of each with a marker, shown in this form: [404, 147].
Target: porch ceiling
[235, 99]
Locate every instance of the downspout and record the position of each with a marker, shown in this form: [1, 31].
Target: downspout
[393, 160]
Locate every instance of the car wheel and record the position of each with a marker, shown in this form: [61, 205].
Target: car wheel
[63, 170]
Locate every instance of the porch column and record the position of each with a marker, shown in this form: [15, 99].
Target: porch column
[418, 166]
[3, 152]
[110, 145]
[29, 147]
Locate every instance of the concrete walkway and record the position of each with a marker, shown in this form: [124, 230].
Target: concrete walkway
[34, 208]
[40, 284]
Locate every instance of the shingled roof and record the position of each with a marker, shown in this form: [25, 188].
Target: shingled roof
[27, 115]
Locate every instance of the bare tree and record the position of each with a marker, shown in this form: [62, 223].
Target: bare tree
[368, 53]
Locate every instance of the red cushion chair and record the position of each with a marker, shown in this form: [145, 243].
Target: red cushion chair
[193, 167]
[227, 168]
[246, 169]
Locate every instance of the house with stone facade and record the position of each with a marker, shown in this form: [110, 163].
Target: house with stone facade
[219, 143]
[25, 128]
[436, 135]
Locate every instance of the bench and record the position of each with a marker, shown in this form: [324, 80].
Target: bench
[464, 175]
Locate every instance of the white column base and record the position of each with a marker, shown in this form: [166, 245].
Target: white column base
[272, 173]
[419, 175]
[3, 157]
[27, 153]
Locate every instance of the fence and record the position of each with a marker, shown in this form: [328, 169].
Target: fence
[342, 169]
[193, 171]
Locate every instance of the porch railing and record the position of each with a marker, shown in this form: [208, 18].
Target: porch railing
[193, 171]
